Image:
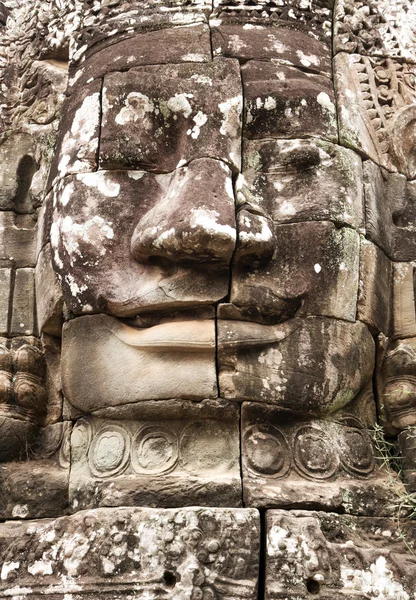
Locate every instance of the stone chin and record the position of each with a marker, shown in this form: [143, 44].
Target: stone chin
[399, 404]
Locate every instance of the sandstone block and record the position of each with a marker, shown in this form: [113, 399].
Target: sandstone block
[174, 553]
[127, 364]
[338, 556]
[23, 320]
[157, 118]
[49, 301]
[161, 458]
[17, 240]
[311, 366]
[375, 295]
[293, 462]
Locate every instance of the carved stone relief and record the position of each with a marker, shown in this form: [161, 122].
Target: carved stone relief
[207, 298]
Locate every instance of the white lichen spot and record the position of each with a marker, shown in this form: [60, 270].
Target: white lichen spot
[41, 567]
[308, 60]
[74, 287]
[269, 103]
[231, 109]
[136, 175]
[193, 57]
[287, 209]
[7, 568]
[67, 193]
[200, 119]
[376, 581]
[207, 220]
[136, 107]
[325, 101]
[204, 79]
[317, 268]
[179, 103]
[20, 511]
[236, 43]
[102, 182]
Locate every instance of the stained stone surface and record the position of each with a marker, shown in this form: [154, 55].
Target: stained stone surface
[125, 363]
[207, 298]
[142, 552]
[311, 366]
[95, 226]
[288, 461]
[338, 556]
[190, 456]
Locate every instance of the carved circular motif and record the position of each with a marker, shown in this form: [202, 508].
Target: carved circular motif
[314, 454]
[267, 451]
[206, 446]
[109, 451]
[81, 437]
[357, 455]
[154, 450]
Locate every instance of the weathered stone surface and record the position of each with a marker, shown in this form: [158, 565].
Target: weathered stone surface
[260, 42]
[374, 306]
[187, 216]
[172, 45]
[375, 28]
[17, 240]
[80, 130]
[311, 366]
[289, 461]
[313, 271]
[38, 486]
[302, 180]
[178, 553]
[314, 19]
[127, 364]
[285, 102]
[375, 104]
[23, 321]
[17, 155]
[157, 118]
[396, 383]
[404, 309]
[407, 445]
[159, 459]
[338, 556]
[5, 298]
[390, 212]
[49, 301]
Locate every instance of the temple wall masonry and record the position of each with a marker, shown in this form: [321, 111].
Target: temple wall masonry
[207, 299]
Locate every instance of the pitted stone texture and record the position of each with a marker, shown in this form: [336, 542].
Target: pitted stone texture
[289, 461]
[396, 384]
[375, 295]
[17, 240]
[127, 364]
[313, 271]
[404, 308]
[375, 100]
[312, 366]
[157, 118]
[134, 553]
[376, 28]
[22, 389]
[338, 556]
[187, 216]
[49, 301]
[260, 42]
[159, 459]
[390, 212]
[314, 19]
[302, 180]
[407, 445]
[285, 102]
[172, 45]
[23, 320]
[36, 486]
[80, 130]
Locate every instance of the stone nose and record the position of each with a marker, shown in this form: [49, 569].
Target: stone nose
[194, 221]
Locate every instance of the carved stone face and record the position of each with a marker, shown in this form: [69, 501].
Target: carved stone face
[173, 194]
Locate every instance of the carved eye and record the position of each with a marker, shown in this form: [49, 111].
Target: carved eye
[410, 80]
